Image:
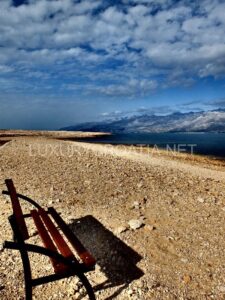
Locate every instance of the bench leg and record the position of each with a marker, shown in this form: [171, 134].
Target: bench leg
[21, 246]
[28, 292]
[27, 274]
[27, 270]
[79, 274]
[87, 286]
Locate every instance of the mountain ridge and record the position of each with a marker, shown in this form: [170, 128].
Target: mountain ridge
[203, 121]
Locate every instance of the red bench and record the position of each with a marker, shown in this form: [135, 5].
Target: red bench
[65, 263]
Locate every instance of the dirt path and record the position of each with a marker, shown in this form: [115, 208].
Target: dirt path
[154, 161]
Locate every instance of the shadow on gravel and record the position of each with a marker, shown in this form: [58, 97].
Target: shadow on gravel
[3, 142]
[116, 260]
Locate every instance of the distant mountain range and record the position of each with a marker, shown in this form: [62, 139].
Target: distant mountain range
[209, 121]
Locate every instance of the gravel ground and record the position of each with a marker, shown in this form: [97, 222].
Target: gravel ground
[155, 225]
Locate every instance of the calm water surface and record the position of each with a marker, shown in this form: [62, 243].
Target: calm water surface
[212, 144]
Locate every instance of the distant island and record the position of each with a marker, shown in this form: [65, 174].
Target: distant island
[203, 121]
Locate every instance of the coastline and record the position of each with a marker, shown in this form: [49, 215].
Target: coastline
[146, 154]
[209, 145]
[208, 161]
[198, 159]
[49, 134]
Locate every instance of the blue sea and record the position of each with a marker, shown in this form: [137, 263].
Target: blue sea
[210, 144]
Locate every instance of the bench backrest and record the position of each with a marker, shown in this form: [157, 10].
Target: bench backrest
[17, 210]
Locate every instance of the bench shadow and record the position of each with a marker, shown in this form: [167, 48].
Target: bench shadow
[3, 142]
[116, 260]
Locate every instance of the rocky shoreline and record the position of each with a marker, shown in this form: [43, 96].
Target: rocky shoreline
[155, 224]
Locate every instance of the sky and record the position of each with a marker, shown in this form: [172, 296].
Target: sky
[64, 62]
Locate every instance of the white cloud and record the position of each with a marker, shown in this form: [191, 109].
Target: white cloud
[127, 88]
[149, 38]
[5, 69]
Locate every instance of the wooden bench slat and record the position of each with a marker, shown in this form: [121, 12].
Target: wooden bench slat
[17, 211]
[84, 254]
[47, 241]
[56, 235]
